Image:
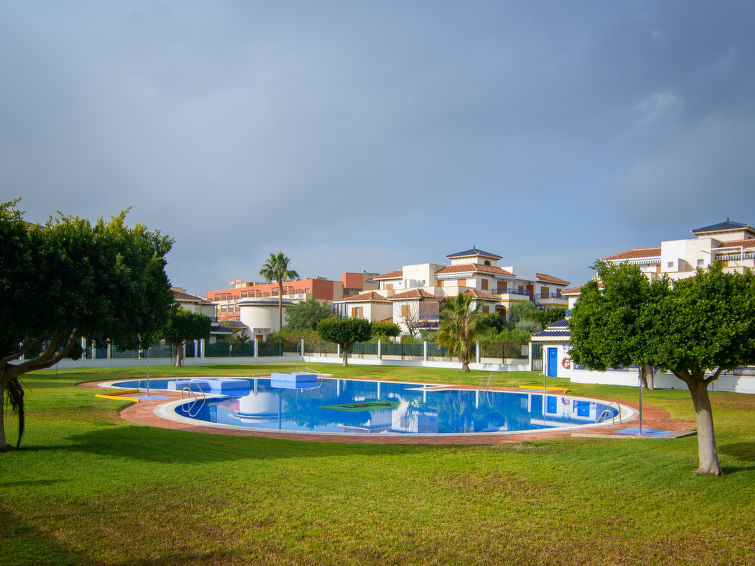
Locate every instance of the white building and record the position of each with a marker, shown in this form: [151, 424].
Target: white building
[417, 290]
[731, 243]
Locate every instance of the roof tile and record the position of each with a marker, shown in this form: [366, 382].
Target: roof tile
[636, 253]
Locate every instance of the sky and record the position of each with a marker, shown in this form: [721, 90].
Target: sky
[363, 136]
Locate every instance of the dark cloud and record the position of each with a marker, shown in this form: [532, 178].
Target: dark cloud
[367, 135]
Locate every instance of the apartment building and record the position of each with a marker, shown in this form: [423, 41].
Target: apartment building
[417, 291]
[730, 243]
[227, 301]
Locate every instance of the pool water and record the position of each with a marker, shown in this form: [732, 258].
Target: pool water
[373, 407]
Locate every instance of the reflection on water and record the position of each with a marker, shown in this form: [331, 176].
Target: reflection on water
[369, 407]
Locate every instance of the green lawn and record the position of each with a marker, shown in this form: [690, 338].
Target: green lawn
[87, 487]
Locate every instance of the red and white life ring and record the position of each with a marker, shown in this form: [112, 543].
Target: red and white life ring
[566, 362]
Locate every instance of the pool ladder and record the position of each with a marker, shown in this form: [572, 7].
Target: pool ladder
[608, 413]
[193, 409]
[485, 387]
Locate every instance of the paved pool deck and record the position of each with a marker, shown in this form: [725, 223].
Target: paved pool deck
[652, 418]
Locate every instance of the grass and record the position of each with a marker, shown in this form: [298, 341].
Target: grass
[89, 488]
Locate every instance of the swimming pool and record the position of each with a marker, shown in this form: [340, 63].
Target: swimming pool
[345, 406]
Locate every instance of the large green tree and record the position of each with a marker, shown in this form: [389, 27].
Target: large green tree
[67, 279]
[306, 315]
[695, 328]
[460, 326]
[344, 332]
[608, 324]
[276, 270]
[184, 325]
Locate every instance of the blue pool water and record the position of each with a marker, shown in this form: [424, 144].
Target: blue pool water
[369, 407]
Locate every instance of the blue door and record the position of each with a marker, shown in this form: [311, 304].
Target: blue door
[552, 362]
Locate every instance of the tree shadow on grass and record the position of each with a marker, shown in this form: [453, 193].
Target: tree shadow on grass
[24, 543]
[744, 451]
[169, 446]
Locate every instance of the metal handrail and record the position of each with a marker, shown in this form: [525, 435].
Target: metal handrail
[196, 403]
[610, 413]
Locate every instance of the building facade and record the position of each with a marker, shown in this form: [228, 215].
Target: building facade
[416, 291]
[227, 301]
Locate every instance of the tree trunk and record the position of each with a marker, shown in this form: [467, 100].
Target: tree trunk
[345, 352]
[280, 305]
[179, 354]
[647, 374]
[4, 446]
[706, 439]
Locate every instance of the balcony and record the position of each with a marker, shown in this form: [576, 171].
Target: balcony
[551, 300]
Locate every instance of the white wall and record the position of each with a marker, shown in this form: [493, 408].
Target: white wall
[630, 378]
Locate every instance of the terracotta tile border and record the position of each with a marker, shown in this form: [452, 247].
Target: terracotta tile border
[652, 418]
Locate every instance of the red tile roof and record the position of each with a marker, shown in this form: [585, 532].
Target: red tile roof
[371, 297]
[398, 274]
[637, 253]
[739, 243]
[578, 290]
[180, 295]
[415, 294]
[478, 295]
[551, 279]
[474, 267]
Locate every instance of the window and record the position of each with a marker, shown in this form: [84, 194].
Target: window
[486, 309]
[440, 282]
[544, 292]
[406, 310]
[356, 312]
[461, 282]
[671, 264]
[700, 262]
[484, 284]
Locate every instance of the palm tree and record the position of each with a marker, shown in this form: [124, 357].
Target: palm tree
[460, 326]
[276, 269]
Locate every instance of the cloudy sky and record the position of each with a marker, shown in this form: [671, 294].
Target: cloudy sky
[359, 135]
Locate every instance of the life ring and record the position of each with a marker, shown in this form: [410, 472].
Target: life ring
[566, 362]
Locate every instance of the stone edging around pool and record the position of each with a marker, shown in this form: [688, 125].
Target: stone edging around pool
[154, 412]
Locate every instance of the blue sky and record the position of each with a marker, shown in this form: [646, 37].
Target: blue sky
[367, 135]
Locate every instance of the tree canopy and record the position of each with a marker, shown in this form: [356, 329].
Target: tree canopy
[695, 328]
[67, 279]
[306, 315]
[344, 332]
[184, 325]
[384, 329]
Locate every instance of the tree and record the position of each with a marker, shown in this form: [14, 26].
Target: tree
[306, 315]
[520, 310]
[412, 322]
[184, 325]
[704, 324]
[383, 330]
[699, 325]
[608, 327]
[67, 279]
[493, 322]
[276, 269]
[460, 326]
[546, 316]
[528, 325]
[344, 332]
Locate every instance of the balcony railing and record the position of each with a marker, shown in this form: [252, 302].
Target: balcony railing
[507, 291]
